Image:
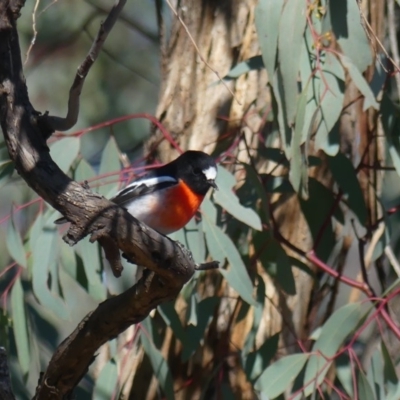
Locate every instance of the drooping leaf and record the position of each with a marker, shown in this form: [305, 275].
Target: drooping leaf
[364, 388]
[331, 98]
[171, 318]
[83, 171]
[6, 170]
[91, 262]
[389, 372]
[110, 164]
[44, 256]
[14, 244]
[255, 180]
[275, 261]
[267, 16]
[65, 152]
[344, 372]
[227, 199]
[106, 383]
[361, 83]
[285, 131]
[280, 374]
[20, 326]
[375, 374]
[157, 361]
[316, 210]
[391, 125]
[221, 247]
[349, 32]
[298, 174]
[345, 175]
[195, 333]
[335, 330]
[250, 343]
[257, 361]
[291, 29]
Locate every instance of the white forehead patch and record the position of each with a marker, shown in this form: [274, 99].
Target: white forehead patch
[210, 173]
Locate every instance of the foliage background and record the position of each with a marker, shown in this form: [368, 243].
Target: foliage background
[213, 343]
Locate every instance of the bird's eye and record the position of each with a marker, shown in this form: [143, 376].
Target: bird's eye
[197, 171]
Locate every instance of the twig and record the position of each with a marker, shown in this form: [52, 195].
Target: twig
[34, 30]
[63, 124]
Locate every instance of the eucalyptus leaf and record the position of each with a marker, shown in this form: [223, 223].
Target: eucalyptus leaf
[335, 330]
[20, 326]
[291, 29]
[227, 199]
[14, 244]
[65, 151]
[279, 375]
[106, 383]
[157, 361]
[267, 17]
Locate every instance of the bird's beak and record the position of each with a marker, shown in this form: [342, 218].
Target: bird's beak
[213, 184]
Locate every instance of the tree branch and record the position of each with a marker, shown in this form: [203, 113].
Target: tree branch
[90, 214]
[5, 382]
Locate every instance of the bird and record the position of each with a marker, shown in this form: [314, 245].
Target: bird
[168, 197]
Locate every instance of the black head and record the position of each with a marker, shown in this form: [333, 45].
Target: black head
[197, 169]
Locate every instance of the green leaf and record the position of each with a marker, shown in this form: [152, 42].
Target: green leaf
[194, 334]
[267, 17]
[110, 164]
[83, 171]
[171, 318]
[157, 361]
[221, 247]
[335, 330]
[20, 326]
[279, 376]
[227, 199]
[106, 383]
[375, 374]
[344, 372]
[331, 98]
[195, 241]
[89, 253]
[349, 32]
[250, 342]
[254, 180]
[285, 131]
[44, 256]
[315, 210]
[275, 261]
[361, 83]
[14, 244]
[256, 362]
[298, 174]
[345, 175]
[364, 389]
[391, 126]
[253, 63]
[291, 29]
[6, 170]
[389, 372]
[65, 151]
